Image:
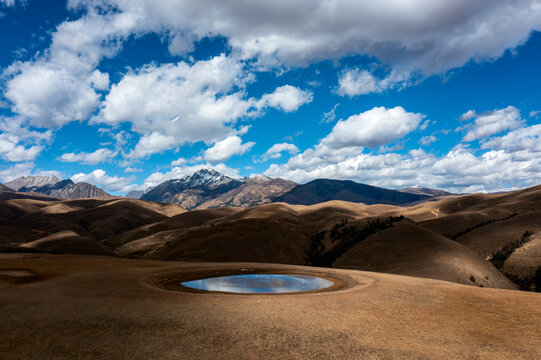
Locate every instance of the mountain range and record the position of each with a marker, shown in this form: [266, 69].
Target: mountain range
[210, 189]
[54, 187]
[207, 188]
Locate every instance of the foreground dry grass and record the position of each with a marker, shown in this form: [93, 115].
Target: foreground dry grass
[91, 307]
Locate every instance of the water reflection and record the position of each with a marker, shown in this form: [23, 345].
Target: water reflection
[260, 283]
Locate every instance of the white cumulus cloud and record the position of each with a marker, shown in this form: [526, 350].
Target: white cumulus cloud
[427, 140]
[109, 183]
[526, 138]
[276, 150]
[154, 142]
[93, 158]
[357, 82]
[286, 98]
[372, 128]
[492, 122]
[226, 148]
[16, 171]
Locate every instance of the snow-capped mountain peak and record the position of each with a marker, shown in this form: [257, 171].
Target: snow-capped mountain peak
[206, 177]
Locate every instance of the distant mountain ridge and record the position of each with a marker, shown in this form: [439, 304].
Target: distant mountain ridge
[425, 191]
[52, 186]
[322, 190]
[134, 194]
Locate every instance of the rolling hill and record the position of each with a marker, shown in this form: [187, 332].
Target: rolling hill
[5, 188]
[450, 238]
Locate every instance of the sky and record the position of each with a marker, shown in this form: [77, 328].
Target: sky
[128, 94]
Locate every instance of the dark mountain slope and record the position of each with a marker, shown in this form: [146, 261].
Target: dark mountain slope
[322, 190]
[5, 188]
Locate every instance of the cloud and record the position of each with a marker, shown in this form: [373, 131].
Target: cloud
[330, 115]
[372, 128]
[286, 98]
[226, 148]
[10, 2]
[357, 82]
[179, 161]
[16, 171]
[50, 96]
[526, 138]
[61, 84]
[427, 140]
[108, 183]
[11, 151]
[190, 102]
[275, 151]
[132, 170]
[468, 115]
[491, 122]
[18, 143]
[430, 37]
[353, 82]
[458, 171]
[93, 158]
[507, 162]
[174, 104]
[155, 142]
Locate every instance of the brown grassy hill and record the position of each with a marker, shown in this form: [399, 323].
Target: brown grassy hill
[184, 220]
[486, 240]
[9, 195]
[26, 220]
[483, 222]
[408, 249]
[165, 209]
[254, 240]
[524, 263]
[13, 209]
[67, 242]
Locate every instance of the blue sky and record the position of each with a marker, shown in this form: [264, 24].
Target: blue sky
[126, 95]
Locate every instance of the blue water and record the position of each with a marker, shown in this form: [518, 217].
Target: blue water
[260, 283]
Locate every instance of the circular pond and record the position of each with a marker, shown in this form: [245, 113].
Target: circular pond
[259, 283]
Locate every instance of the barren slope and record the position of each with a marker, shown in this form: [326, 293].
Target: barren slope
[408, 249]
[68, 242]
